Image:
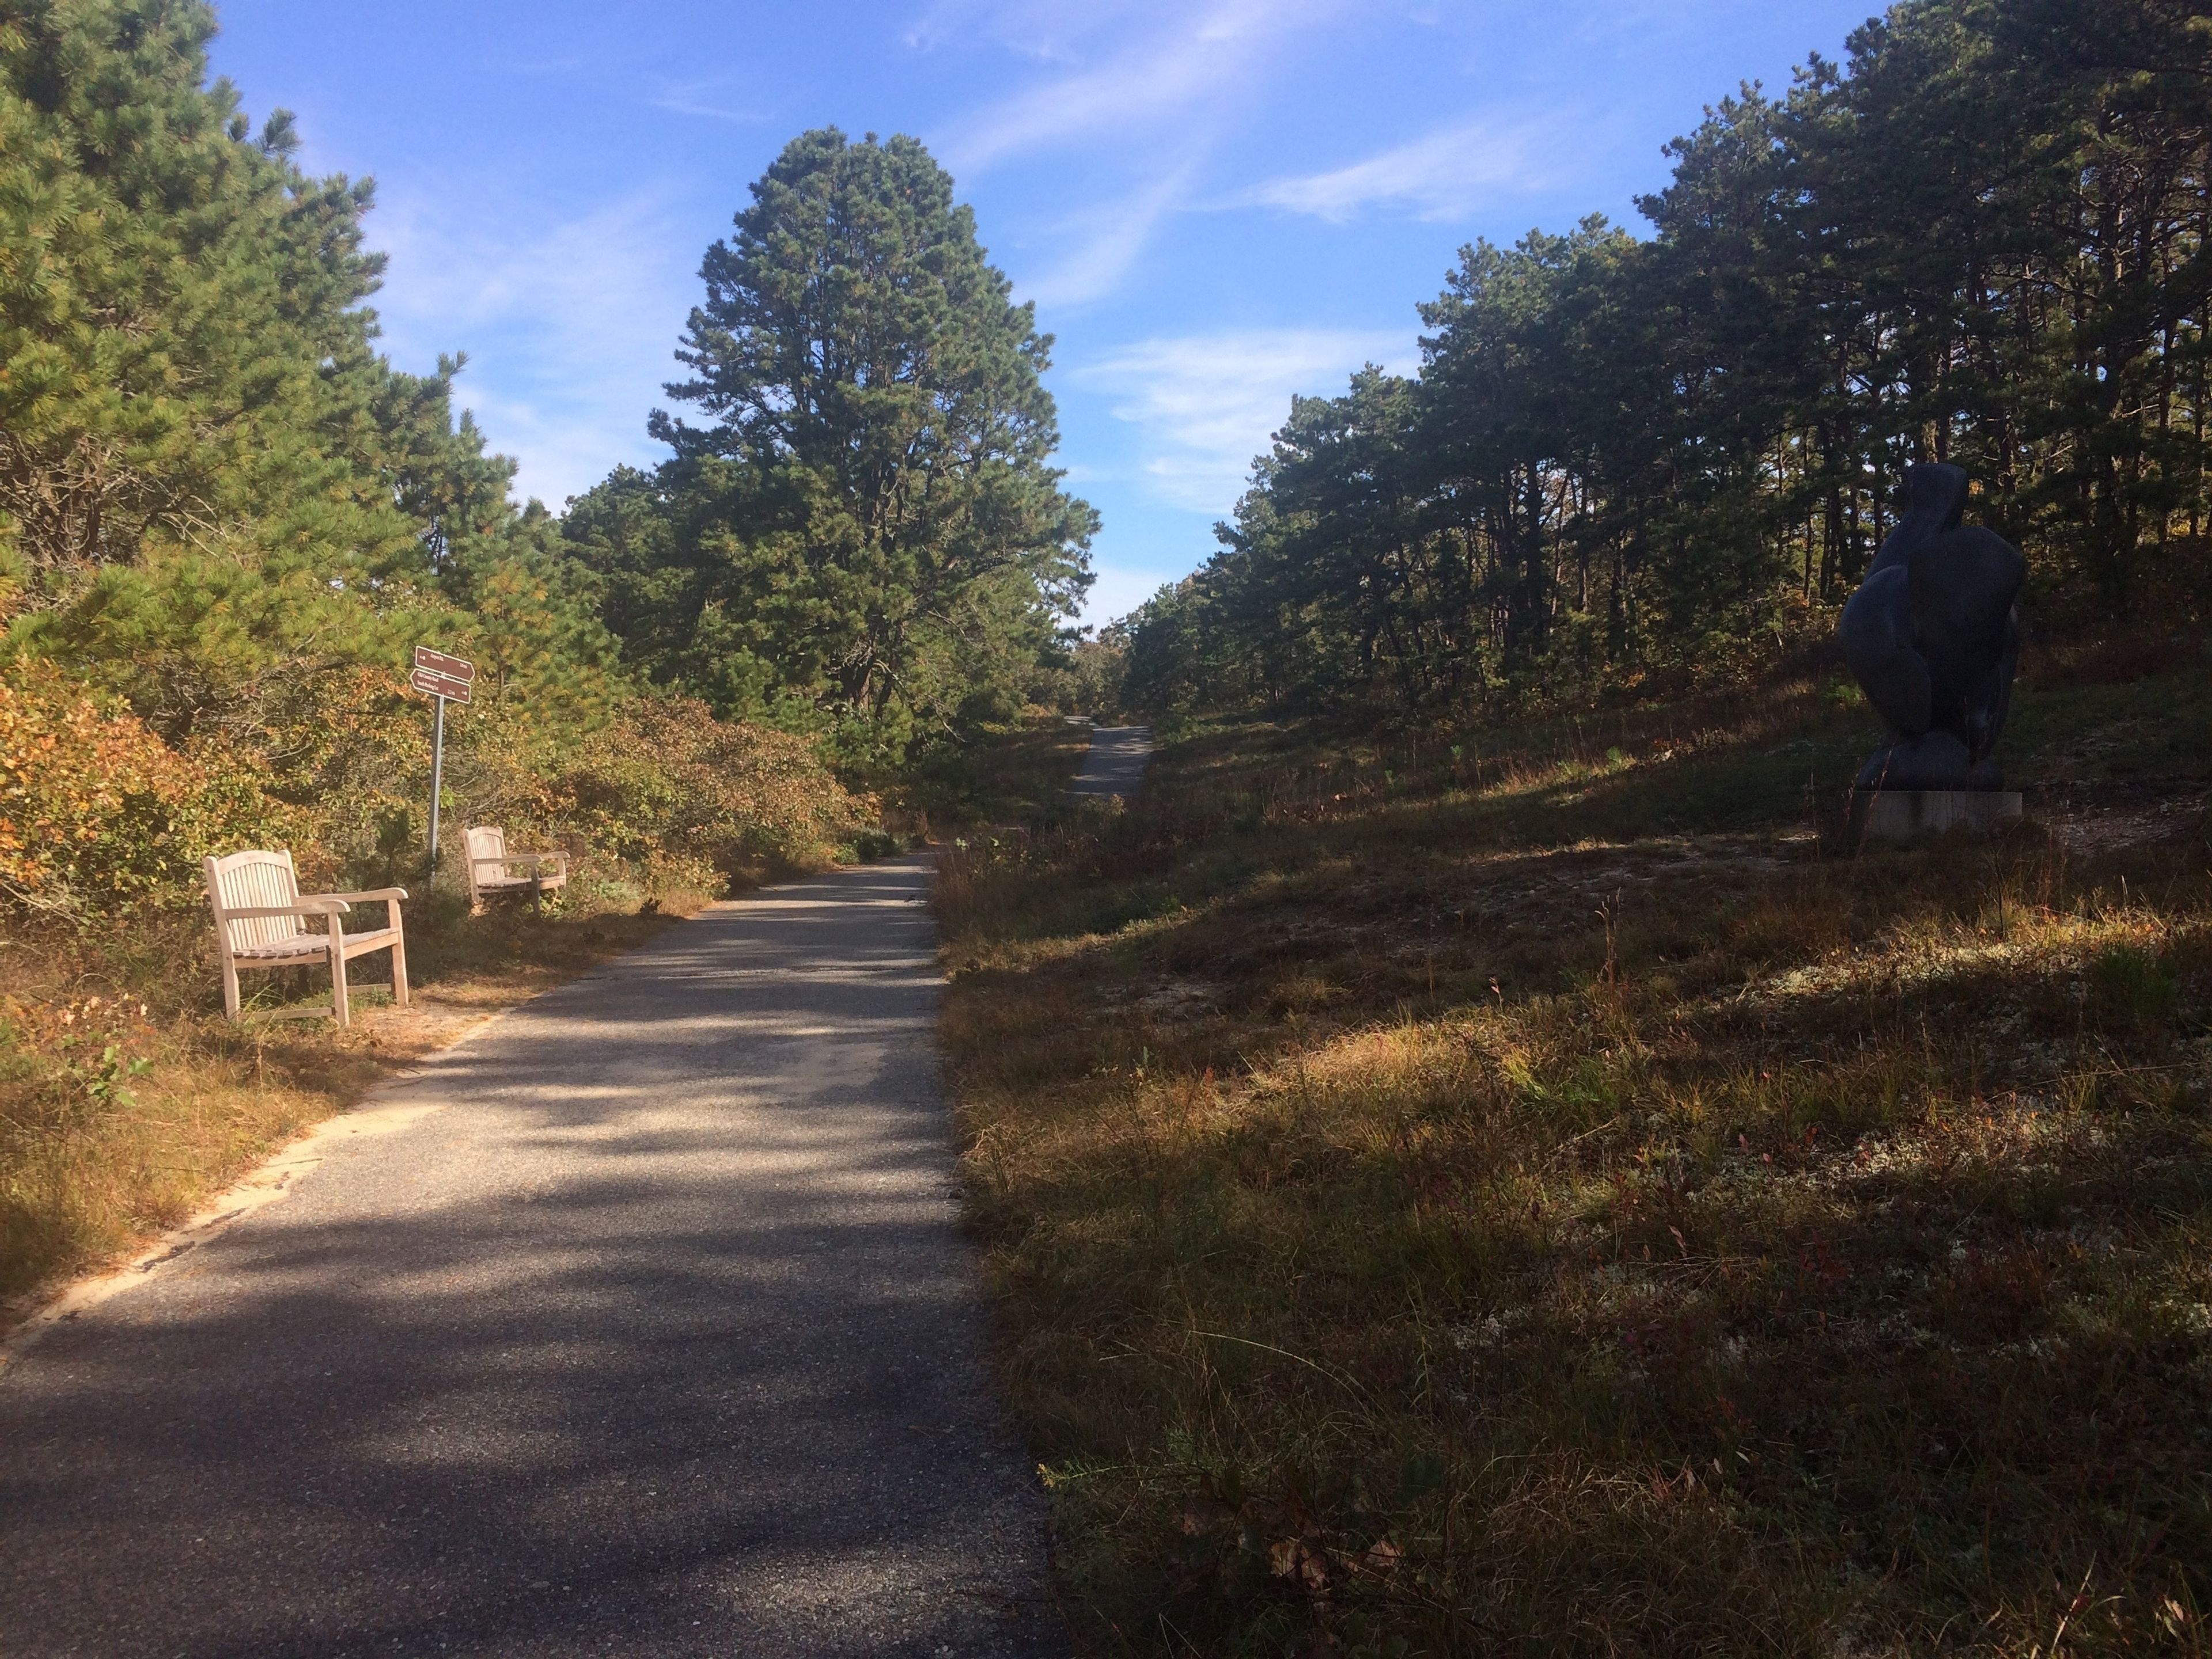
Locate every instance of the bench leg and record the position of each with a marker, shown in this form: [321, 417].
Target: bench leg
[230, 997]
[340, 1007]
[399, 969]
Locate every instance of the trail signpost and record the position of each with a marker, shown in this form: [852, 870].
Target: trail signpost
[443, 679]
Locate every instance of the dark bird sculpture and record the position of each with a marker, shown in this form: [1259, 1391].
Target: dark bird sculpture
[1934, 638]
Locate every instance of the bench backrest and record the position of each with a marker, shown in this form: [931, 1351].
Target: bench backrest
[243, 881]
[486, 843]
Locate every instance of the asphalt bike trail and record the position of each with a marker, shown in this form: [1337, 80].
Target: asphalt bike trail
[1116, 761]
[651, 1335]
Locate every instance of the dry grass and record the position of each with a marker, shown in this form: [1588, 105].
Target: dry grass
[1546, 1193]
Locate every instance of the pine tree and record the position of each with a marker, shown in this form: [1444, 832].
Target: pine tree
[213, 489]
[173, 294]
[867, 531]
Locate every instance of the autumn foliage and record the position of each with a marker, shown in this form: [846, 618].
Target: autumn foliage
[691, 800]
[97, 813]
[100, 817]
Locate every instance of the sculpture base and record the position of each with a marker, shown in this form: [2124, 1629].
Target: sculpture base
[1911, 814]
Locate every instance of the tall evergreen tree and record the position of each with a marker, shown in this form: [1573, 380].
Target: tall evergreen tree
[865, 529]
[178, 305]
[213, 491]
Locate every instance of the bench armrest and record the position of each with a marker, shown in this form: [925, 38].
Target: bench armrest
[320, 904]
[362, 898]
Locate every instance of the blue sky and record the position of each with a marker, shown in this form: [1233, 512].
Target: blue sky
[1214, 203]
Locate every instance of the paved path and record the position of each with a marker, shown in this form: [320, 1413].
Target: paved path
[1116, 762]
[656, 1340]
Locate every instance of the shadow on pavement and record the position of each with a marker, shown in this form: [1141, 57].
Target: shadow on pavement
[658, 1339]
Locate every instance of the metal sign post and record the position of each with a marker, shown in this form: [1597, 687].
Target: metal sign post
[437, 776]
[444, 679]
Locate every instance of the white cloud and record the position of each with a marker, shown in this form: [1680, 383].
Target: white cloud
[1119, 590]
[1141, 89]
[1205, 406]
[1108, 242]
[698, 98]
[570, 327]
[1179, 65]
[1634, 28]
[1444, 175]
[1050, 30]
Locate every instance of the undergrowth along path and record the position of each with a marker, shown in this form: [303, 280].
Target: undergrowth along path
[653, 1335]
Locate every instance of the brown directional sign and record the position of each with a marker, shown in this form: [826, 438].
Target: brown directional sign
[437, 675]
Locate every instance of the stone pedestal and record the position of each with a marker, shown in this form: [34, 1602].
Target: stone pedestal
[1912, 814]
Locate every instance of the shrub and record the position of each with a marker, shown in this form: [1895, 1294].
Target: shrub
[100, 817]
[97, 815]
[691, 800]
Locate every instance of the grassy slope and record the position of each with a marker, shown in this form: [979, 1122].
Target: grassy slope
[1546, 1193]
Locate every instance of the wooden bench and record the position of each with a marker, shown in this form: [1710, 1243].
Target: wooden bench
[492, 867]
[261, 920]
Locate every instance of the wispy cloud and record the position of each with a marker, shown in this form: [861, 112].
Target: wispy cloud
[713, 97]
[1140, 90]
[1119, 589]
[1444, 175]
[698, 98]
[1633, 28]
[1050, 30]
[1206, 405]
[1170, 71]
[575, 324]
[1108, 241]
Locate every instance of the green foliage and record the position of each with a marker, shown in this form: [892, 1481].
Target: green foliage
[1629, 464]
[868, 538]
[214, 490]
[225, 521]
[1088, 679]
[2136, 982]
[176, 308]
[691, 800]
